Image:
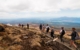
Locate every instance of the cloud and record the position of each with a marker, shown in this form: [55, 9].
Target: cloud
[38, 5]
[26, 6]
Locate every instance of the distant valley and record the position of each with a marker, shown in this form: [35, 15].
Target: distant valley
[57, 22]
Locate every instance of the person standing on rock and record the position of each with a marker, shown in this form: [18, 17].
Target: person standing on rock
[22, 25]
[52, 32]
[19, 25]
[27, 26]
[62, 33]
[43, 28]
[73, 36]
[47, 28]
[40, 27]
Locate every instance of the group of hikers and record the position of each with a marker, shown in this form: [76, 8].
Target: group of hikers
[74, 35]
[22, 25]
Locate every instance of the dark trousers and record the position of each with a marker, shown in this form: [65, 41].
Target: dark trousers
[47, 30]
[52, 35]
[61, 37]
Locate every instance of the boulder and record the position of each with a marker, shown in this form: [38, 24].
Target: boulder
[2, 29]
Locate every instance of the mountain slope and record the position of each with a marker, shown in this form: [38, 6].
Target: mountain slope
[18, 38]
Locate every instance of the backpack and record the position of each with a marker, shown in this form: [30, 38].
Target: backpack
[77, 36]
[63, 32]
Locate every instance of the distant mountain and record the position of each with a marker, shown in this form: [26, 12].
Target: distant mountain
[34, 20]
[66, 19]
[62, 21]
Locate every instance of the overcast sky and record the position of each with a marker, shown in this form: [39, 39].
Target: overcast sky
[39, 8]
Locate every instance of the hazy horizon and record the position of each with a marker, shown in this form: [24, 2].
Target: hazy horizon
[44, 18]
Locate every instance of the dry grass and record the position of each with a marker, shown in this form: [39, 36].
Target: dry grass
[13, 38]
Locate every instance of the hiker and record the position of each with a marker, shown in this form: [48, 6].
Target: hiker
[62, 33]
[52, 33]
[27, 26]
[22, 25]
[73, 35]
[40, 27]
[43, 28]
[19, 25]
[47, 28]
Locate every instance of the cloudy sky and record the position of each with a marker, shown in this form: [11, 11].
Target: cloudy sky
[39, 8]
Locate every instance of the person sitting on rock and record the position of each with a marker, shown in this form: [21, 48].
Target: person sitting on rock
[2, 29]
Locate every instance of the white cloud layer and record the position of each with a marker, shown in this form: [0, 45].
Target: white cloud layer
[10, 8]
